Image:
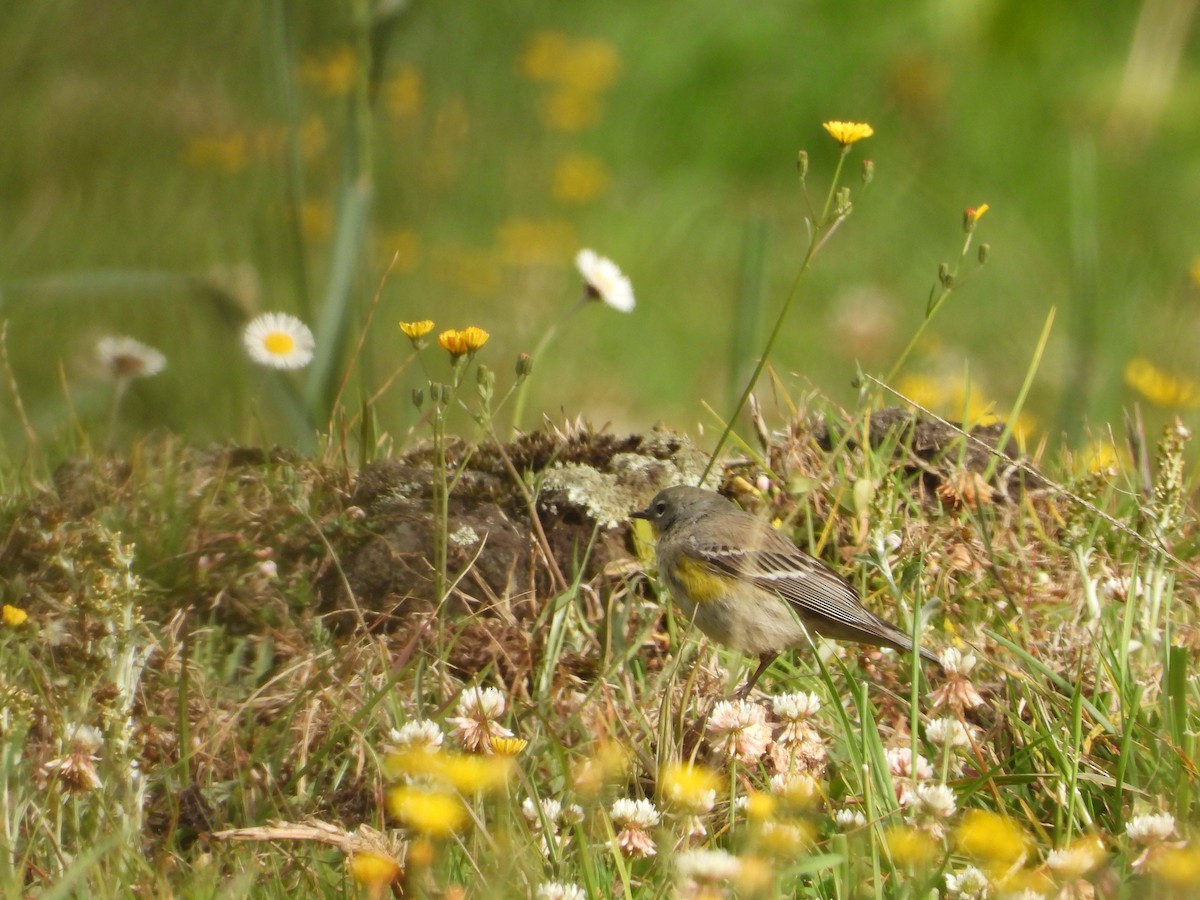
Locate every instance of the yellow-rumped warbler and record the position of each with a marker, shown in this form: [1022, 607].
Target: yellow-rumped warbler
[750, 588]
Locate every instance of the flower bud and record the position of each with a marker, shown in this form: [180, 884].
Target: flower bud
[842, 201]
[485, 380]
[524, 365]
[984, 250]
[945, 276]
[418, 398]
[802, 163]
[868, 171]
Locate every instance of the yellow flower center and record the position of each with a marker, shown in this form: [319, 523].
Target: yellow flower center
[279, 343]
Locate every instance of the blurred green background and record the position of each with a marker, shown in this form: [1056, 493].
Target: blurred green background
[167, 170]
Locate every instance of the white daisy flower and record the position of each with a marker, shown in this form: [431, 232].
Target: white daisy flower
[603, 280]
[418, 734]
[279, 341]
[125, 357]
[557, 890]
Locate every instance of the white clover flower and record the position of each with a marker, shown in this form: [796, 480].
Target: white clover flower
[796, 706]
[550, 808]
[738, 728]
[279, 341]
[1077, 860]
[1150, 829]
[556, 890]
[476, 725]
[124, 358]
[933, 801]
[639, 813]
[955, 662]
[634, 818]
[419, 734]
[604, 281]
[948, 732]
[708, 865]
[900, 762]
[845, 819]
[968, 883]
[796, 788]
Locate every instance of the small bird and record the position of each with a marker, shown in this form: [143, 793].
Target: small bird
[750, 588]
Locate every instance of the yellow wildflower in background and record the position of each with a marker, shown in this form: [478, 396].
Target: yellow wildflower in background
[228, 154]
[991, 837]
[332, 72]
[1161, 388]
[400, 249]
[590, 65]
[610, 764]
[1177, 866]
[971, 215]
[544, 55]
[508, 746]
[374, 871]
[456, 343]
[465, 773]
[14, 616]
[414, 331]
[316, 220]
[910, 847]
[579, 178]
[541, 242]
[431, 813]
[922, 391]
[404, 92]
[569, 110]
[847, 133]
[689, 785]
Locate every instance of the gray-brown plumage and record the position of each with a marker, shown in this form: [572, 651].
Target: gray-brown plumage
[750, 588]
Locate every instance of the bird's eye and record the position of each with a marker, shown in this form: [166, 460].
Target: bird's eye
[660, 508]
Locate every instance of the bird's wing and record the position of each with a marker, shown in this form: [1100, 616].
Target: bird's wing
[774, 564]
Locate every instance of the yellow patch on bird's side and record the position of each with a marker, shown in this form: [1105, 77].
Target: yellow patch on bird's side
[698, 580]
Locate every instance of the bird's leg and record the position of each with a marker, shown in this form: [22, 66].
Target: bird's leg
[763, 661]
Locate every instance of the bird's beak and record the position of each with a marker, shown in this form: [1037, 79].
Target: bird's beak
[640, 514]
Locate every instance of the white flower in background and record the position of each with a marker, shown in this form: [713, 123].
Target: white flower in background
[968, 882]
[476, 725]
[125, 357]
[603, 280]
[738, 728]
[279, 341]
[635, 818]
[1150, 829]
[556, 890]
[948, 732]
[419, 734]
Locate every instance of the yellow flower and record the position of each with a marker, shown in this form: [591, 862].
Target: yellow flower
[590, 65]
[1178, 866]
[846, 133]
[508, 746]
[922, 391]
[403, 92]
[540, 242]
[544, 55]
[456, 343]
[570, 110]
[333, 72]
[991, 837]
[14, 616]
[579, 178]
[1099, 456]
[229, 153]
[414, 331]
[374, 869]
[910, 846]
[400, 249]
[786, 839]
[428, 812]
[689, 786]
[972, 214]
[463, 773]
[610, 764]
[1159, 387]
[316, 220]
[760, 805]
